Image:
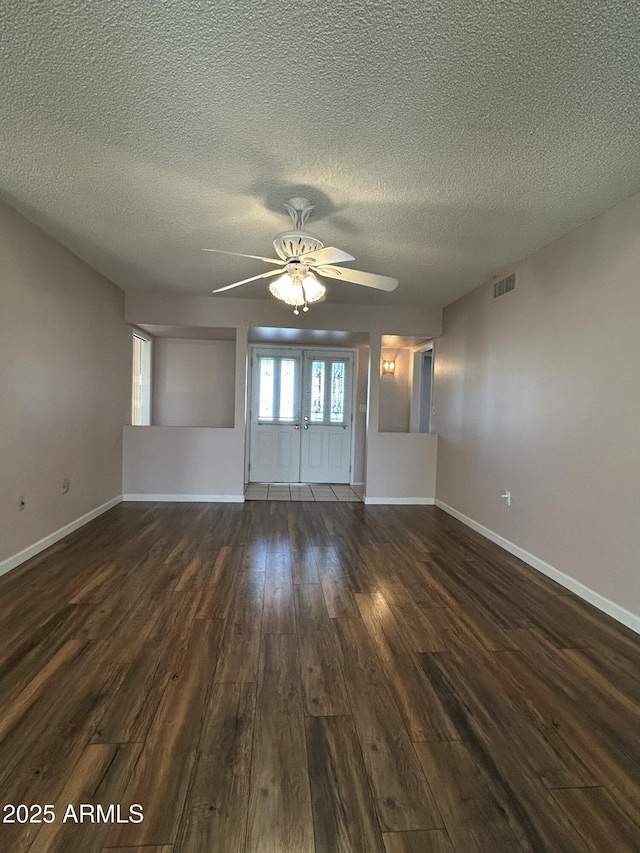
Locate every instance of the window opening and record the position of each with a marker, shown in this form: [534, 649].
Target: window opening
[141, 382]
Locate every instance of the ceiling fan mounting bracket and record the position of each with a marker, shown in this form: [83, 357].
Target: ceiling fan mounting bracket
[299, 209]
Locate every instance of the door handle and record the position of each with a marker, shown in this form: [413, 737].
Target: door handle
[306, 418]
[296, 426]
[306, 427]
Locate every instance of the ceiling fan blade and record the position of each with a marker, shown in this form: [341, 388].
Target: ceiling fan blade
[247, 280]
[240, 255]
[328, 255]
[368, 279]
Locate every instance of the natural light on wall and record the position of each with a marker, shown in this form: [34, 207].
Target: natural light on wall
[141, 381]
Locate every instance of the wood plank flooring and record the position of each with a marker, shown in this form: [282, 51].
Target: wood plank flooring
[298, 677]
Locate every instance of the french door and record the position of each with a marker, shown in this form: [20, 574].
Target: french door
[300, 416]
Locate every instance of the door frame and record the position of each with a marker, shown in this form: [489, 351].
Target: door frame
[298, 348]
[416, 379]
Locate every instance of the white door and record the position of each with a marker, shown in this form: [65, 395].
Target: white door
[275, 417]
[300, 416]
[325, 452]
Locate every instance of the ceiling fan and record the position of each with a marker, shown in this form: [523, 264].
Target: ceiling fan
[302, 257]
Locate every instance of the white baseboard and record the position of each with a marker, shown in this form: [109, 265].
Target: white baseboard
[610, 607]
[233, 499]
[56, 536]
[401, 501]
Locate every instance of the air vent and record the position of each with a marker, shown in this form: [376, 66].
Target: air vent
[504, 285]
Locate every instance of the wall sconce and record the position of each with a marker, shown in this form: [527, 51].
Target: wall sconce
[388, 367]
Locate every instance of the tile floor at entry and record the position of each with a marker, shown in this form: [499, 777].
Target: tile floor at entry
[304, 492]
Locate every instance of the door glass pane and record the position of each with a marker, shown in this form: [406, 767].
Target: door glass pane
[265, 407]
[287, 388]
[317, 391]
[337, 392]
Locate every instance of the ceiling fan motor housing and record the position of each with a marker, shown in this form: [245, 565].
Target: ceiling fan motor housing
[291, 244]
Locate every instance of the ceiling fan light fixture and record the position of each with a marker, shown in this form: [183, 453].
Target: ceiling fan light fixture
[296, 291]
[313, 290]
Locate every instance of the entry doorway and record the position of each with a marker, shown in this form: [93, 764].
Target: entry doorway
[301, 415]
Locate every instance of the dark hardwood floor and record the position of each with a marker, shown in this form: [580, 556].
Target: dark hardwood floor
[294, 677]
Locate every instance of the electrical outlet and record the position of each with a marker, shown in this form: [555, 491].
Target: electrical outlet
[22, 502]
[66, 485]
[506, 497]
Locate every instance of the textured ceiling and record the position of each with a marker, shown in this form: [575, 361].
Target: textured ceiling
[440, 141]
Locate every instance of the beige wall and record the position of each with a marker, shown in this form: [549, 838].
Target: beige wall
[538, 393]
[204, 463]
[401, 468]
[174, 310]
[169, 462]
[65, 374]
[193, 382]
